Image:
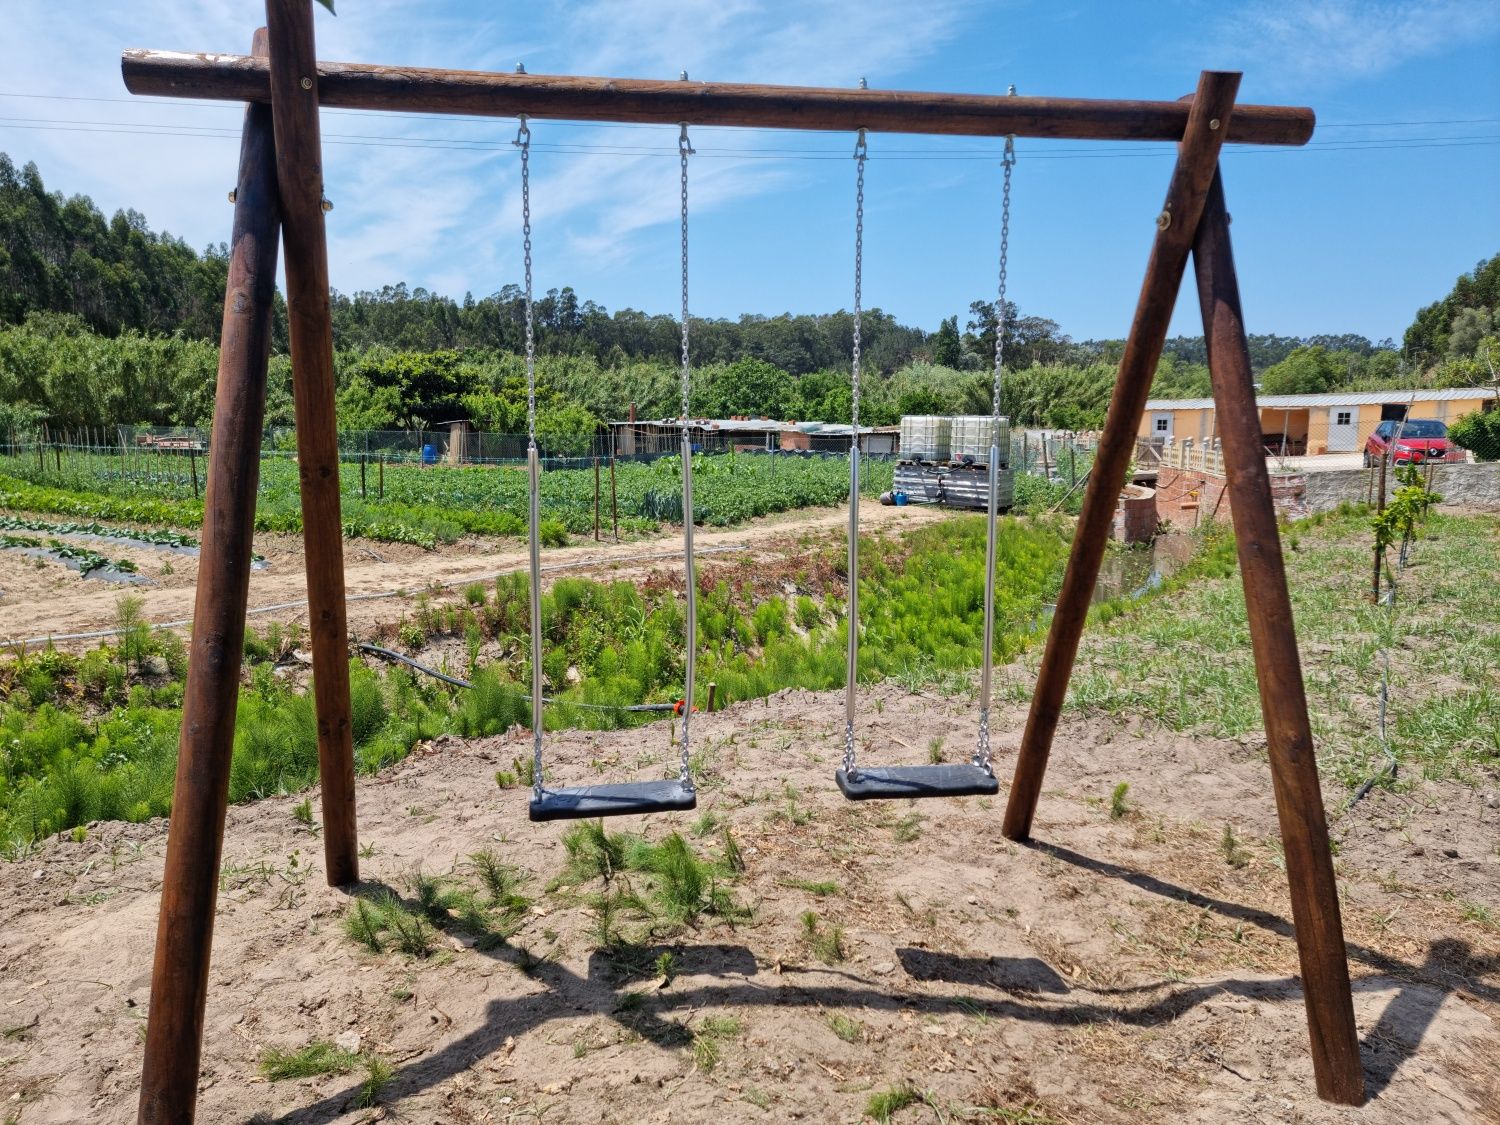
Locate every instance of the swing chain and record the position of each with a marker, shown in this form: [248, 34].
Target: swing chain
[851, 752]
[984, 752]
[684, 150]
[861, 154]
[523, 142]
[1008, 162]
[533, 469]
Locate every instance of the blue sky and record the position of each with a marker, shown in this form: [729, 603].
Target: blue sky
[1398, 194]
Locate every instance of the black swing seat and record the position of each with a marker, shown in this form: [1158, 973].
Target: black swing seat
[626, 799]
[889, 783]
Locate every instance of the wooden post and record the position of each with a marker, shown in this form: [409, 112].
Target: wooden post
[190, 882]
[1273, 638]
[614, 501]
[363, 457]
[596, 499]
[299, 174]
[193, 468]
[1196, 160]
[1072, 468]
[381, 476]
[1380, 507]
[713, 695]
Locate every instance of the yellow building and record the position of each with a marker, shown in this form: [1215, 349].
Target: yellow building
[1339, 422]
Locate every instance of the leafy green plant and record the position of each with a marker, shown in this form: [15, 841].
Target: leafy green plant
[1478, 432]
[1119, 806]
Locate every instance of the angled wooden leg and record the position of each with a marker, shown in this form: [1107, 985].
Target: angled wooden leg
[299, 168]
[195, 840]
[1196, 160]
[1294, 767]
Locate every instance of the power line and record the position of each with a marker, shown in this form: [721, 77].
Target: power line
[462, 144]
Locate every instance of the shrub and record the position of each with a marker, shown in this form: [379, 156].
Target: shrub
[1479, 433]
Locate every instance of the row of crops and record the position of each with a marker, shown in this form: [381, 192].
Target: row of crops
[437, 504]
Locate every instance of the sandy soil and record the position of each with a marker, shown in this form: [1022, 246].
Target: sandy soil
[1119, 970]
[76, 604]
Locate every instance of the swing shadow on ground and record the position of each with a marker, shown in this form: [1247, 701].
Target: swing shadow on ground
[1010, 988]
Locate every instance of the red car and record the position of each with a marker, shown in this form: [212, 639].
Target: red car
[1418, 440]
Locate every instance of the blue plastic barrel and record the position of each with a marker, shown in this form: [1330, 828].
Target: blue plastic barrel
[429, 455]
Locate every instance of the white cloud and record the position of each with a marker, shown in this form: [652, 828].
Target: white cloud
[1326, 42]
[446, 217]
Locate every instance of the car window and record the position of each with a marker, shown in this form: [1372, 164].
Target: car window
[1424, 428]
[1383, 430]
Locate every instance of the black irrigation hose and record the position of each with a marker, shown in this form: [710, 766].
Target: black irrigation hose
[388, 654]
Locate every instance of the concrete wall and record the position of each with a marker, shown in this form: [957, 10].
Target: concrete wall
[1476, 486]
[1188, 497]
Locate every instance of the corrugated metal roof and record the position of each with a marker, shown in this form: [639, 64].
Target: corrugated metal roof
[1347, 398]
[750, 425]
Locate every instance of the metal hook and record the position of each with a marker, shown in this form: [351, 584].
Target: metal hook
[523, 134]
[684, 145]
[861, 148]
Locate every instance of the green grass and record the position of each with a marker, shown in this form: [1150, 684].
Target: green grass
[708, 1038]
[666, 884]
[849, 1030]
[1191, 668]
[884, 1105]
[317, 1058]
[825, 941]
[322, 1057]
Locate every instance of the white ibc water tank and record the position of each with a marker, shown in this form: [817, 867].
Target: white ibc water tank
[973, 434]
[926, 437]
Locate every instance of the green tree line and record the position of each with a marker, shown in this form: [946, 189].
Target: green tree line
[104, 321]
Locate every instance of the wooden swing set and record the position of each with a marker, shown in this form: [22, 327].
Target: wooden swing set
[279, 192]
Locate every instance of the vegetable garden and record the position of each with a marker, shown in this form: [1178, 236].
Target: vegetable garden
[430, 505]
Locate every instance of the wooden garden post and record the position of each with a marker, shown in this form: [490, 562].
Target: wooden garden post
[1196, 161]
[1278, 669]
[195, 839]
[299, 174]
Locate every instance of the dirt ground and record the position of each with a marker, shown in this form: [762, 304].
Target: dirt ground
[1130, 968]
[375, 573]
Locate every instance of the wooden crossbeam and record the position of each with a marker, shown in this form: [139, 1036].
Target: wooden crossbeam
[244, 78]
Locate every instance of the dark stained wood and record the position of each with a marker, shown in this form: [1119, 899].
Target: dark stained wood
[482, 94]
[190, 881]
[1196, 161]
[299, 167]
[1278, 668]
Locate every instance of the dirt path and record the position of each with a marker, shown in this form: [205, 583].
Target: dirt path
[1130, 968]
[76, 605]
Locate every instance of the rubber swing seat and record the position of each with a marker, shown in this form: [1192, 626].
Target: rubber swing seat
[629, 798]
[890, 783]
